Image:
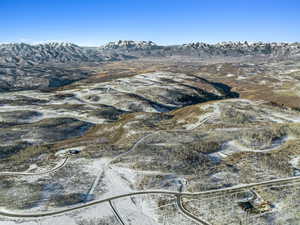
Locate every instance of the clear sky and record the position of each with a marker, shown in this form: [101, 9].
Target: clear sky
[95, 22]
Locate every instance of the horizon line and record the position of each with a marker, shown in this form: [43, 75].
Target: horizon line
[156, 43]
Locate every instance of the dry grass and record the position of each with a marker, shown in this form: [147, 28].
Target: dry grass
[99, 221]
[188, 113]
[27, 197]
[233, 116]
[263, 137]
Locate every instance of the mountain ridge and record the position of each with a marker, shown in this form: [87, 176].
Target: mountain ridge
[55, 52]
[24, 66]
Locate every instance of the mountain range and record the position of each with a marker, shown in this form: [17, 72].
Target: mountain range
[24, 66]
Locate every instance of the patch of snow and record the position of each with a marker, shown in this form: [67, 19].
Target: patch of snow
[31, 167]
[295, 162]
[230, 75]
[232, 147]
[241, 78]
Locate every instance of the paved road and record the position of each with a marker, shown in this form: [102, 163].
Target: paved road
[116, 213]
[96, 181]
[163, 192]
[34, 174]
[179, 195]
[187, 213]
[102, 171]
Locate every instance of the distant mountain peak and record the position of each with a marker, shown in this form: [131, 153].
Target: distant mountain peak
[129, 44]
[52, 52]
[65, 52]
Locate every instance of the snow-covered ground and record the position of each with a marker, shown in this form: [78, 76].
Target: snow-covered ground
[119, 180]
[295, 162]
[233, 146]
[48, 113]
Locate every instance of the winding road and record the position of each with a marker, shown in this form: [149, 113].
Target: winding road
[64, 162]
[102, 171]
[116, 213]
[95, 183]
[181, 194]
[178, 195]
[187, 213]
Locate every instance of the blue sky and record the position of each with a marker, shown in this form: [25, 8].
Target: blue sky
[95, 22]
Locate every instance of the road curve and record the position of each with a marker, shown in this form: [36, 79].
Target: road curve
[116, 213]
[102, 171]
[177, 194]
[96, 181]
[185, 194]
[187, 213]
[35, 174]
